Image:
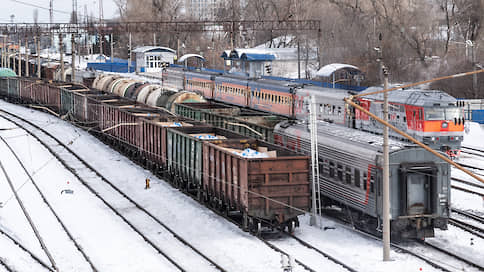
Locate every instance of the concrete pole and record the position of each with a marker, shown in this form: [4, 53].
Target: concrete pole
[27, 64]
[73, 56]
[474, 76]
[112, 47]
[8, 57]
[100, 44]
[154, 39]
[37, 43]
[129, 54]
[19, 58]
[61, 51]
[14, 65]
[386, 174]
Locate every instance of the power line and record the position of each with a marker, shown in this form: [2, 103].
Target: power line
[47, 8]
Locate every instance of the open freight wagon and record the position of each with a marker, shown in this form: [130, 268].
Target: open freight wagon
[243, 121]
[267, 184]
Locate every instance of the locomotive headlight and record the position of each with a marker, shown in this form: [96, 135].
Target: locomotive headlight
[445, 125]
[456, 138]
[433, 138]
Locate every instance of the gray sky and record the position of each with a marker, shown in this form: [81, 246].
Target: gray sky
[25, 13]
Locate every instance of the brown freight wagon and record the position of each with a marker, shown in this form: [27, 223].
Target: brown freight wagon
[184, 153]
[153, 139]
[270, 191]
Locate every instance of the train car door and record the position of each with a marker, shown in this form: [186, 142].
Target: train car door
[418, 184]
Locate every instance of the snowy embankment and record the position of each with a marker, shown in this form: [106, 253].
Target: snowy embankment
[473, 137]
[114, 247]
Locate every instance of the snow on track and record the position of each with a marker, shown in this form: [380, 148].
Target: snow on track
[112, 245]
[16, 258]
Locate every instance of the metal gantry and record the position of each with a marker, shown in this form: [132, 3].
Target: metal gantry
[159, 26]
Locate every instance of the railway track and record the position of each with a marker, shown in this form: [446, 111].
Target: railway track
[42, 195]
[86, 174]
[468, 190]
[315, 251]
[461, 263]
[472, 150]
[473, 167]
[467, 225]
[417, 250]
[303, 263]
[27, 251]
[307, 250]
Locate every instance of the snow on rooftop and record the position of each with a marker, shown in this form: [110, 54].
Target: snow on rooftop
[329, 69]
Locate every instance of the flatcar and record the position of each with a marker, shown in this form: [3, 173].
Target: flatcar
[350, 165]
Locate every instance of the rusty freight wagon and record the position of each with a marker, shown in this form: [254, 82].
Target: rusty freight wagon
[184, 153]
[153, 139]
[247, 122]
[267, 184]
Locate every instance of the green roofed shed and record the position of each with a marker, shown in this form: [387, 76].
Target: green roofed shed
[6, 72]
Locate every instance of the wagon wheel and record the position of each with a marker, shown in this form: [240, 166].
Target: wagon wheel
[291, 226]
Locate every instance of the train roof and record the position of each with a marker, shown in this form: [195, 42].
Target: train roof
[415, 97]
[338, 137]
[326, 92]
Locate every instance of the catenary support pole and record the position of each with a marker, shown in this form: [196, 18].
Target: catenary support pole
[386, 174]
[19, 66]
[38, 57]
[27, 52]
[129, 53]
[73, 57]
[61, 51]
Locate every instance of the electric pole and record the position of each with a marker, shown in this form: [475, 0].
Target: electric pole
[38, 56]
[61, 51]
[73, 57]
[101, 26]
[27, 53]
[386, 173]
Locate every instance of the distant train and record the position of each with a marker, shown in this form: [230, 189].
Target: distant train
[433, 117]
[350, 166]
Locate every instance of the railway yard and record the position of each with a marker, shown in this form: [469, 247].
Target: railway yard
[90, 206]
[242, 136]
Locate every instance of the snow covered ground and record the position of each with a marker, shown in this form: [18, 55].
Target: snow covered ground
[113, 246]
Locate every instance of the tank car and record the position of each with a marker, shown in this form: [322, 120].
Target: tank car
[350, 165]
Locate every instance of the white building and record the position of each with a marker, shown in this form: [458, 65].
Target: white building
[152, 58]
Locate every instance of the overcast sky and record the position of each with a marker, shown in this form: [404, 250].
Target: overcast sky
[24, 13]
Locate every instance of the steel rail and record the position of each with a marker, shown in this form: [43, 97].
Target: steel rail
[460, 258]
[37, 259]
[29, 219]
[137, 205]
[467, 227]
[64, 227]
